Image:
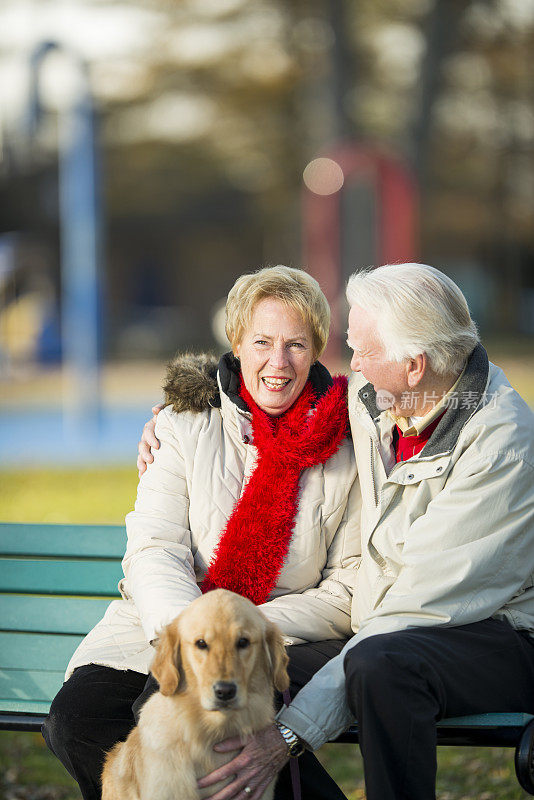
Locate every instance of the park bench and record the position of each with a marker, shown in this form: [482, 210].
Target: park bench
[56, 582]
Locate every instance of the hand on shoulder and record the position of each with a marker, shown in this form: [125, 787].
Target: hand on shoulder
[148, 441]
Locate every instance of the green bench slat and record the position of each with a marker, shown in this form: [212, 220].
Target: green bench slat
[29, 685]
[90, 541]
[48, 614]
[34, 651]
[23, 707]
[46, 576]
[496, 719]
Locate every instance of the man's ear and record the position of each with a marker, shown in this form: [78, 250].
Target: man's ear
[166, 664]
[277, 657]
[416, 368]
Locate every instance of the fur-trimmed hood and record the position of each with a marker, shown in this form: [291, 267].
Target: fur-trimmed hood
[191, 381]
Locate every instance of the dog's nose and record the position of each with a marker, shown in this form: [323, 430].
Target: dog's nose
[224, 690]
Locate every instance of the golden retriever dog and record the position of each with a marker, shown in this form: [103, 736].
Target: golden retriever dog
[216, 665]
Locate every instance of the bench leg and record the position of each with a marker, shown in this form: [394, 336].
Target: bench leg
[524, 759]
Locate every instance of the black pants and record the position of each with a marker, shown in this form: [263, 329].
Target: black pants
[399, 684]
[98, 706]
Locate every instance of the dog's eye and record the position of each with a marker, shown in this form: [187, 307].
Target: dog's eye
[201, 644]
[243, 642]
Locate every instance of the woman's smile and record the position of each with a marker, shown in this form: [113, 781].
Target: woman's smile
[275, 384]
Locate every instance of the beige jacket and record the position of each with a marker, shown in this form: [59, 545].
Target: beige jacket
[447, 536]
[183, 502]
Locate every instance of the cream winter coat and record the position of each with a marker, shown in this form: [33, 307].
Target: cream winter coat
[447, 536]
[184, 500]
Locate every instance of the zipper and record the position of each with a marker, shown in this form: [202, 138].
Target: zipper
[375, 555]
[375, 495]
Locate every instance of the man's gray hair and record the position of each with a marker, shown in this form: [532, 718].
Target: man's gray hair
[418, 310]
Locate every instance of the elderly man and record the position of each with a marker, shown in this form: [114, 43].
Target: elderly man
[443, 608]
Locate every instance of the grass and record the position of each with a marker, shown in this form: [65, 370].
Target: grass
[464, 773]
[29, 772]
[58, 495]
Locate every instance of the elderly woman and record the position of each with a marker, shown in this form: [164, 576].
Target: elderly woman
[249, 491]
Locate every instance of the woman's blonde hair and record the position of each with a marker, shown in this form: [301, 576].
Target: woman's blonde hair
[292, 286]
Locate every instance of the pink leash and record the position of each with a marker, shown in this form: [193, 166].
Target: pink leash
[293, 762]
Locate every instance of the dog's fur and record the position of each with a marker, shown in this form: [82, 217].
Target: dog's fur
[172, 746]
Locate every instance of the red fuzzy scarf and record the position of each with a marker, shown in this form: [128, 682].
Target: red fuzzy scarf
[251, 551]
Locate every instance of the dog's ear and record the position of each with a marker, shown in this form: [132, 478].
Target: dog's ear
[277, 657]
[166, 664]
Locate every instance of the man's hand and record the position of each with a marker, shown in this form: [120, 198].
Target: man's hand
[148, 441]
[258, 763]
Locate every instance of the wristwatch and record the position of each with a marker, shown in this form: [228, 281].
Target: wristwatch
[295, 747]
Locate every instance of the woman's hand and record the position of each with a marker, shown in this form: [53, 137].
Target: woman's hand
[148, 441]
[258, 763]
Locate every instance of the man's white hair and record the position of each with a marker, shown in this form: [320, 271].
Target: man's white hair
[418, 310]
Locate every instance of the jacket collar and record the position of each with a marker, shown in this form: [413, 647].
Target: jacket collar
[471, 387]
[229, 372]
